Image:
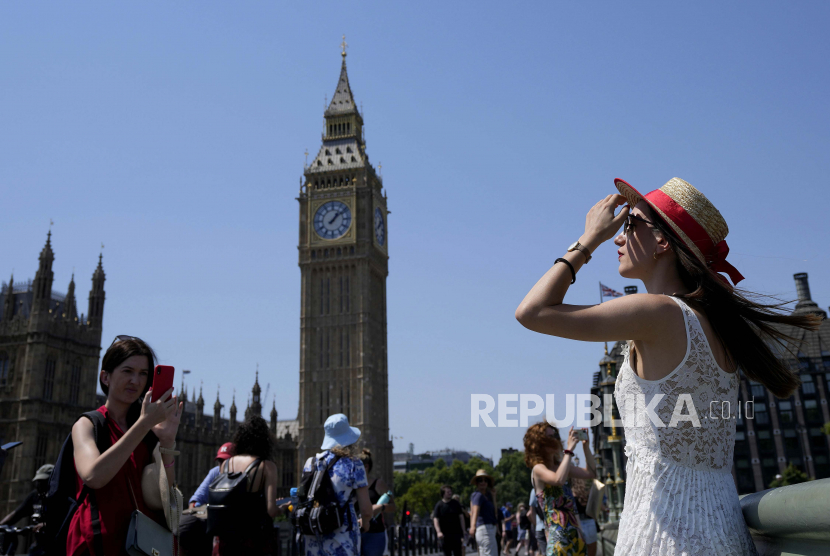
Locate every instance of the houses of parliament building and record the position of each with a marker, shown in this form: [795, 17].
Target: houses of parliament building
[50, 354]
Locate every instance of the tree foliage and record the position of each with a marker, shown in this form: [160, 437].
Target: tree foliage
[421, 489]
[792, 475]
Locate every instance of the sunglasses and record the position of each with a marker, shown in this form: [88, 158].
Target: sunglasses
[123, 338]
[628, 227]
[481, 480]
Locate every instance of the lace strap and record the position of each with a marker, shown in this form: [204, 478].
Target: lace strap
[689, 321]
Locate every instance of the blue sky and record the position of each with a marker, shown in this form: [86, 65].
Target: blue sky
[174, 134]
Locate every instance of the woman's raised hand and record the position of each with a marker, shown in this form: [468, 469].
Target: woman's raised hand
[573, 440]
[162, 415]
[166, 429]
[601, 224]
[154, 412]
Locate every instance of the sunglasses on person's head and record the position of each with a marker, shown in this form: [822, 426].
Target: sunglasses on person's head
[123, 338]
[628, 227]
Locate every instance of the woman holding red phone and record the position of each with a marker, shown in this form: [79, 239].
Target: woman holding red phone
[134, 425]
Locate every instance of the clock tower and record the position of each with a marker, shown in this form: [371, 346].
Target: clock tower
[343, 258]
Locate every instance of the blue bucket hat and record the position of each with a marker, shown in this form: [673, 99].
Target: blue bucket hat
[338, 432]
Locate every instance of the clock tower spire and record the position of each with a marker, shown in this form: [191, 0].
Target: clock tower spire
[343, 259]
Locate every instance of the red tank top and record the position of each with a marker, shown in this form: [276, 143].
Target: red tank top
[115, 503]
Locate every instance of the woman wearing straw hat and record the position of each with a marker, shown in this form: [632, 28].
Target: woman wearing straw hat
[687, 338]
[483, 518]
[348, 477]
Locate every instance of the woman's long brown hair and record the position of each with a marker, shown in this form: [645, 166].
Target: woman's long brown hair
[746, 327]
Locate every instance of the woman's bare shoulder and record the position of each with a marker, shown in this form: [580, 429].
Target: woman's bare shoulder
[81, 429]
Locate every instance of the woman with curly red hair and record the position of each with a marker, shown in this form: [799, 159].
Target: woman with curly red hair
[551, 467]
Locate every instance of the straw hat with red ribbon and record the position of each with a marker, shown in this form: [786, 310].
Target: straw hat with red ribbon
[692, 217]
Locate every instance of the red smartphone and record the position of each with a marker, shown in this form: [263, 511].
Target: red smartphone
[162, 381]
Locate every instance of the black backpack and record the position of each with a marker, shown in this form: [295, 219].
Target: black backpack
[61, 502]
[227, 505]
[318, 511]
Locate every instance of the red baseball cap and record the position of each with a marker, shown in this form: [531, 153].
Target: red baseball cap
[226, 451]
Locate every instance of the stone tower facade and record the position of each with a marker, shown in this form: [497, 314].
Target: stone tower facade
[343, 258]
[48, 370]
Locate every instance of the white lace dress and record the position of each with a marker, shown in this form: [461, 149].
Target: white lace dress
[680, 497]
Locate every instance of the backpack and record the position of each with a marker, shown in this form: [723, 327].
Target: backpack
[226, 510]
[61, 502]
[318, 511]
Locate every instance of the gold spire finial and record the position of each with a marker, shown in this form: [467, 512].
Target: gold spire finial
[344, 45]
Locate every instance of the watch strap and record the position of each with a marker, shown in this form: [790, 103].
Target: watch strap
[584, 250]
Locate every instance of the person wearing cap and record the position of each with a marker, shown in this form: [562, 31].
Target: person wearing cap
[687, 337]
[483, 519]
[348, 477]
[32, 506]
[200, 497]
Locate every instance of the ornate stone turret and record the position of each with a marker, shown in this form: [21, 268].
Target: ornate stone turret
[42, 286]
[217, 412]
[256, 405]
[232, 412]
[200, 408]
[274, 418]
[69, 309]
[8, 303]
[95, 315]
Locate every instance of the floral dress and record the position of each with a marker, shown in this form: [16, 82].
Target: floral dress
[347, 475]
[564, 537]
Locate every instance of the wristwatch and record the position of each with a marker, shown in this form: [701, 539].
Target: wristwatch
[579, 247]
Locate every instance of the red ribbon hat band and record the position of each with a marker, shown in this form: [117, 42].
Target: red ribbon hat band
[693, 218]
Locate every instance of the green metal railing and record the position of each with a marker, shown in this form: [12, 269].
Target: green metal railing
[790, 520]
[786, 521]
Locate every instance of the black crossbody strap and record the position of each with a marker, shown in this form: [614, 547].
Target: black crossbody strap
[256, 463]
[97, 537]
[103, 444]
[318, 476]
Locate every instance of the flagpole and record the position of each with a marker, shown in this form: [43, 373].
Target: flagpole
[600, 302]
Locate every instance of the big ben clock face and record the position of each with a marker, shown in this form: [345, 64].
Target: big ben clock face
[332, 220]
[380, 226]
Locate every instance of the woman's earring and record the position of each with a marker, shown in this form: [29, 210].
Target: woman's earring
[655, 256]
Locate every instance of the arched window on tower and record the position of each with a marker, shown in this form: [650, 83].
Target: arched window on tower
[75, 381]
[49, 378]
[4, 369]
[322, 291]
[348, 350]
[348, 294]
